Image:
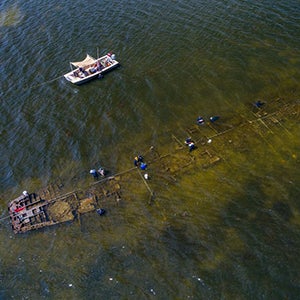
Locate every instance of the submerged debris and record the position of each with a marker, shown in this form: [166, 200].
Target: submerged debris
[44, 208]
[50, 206]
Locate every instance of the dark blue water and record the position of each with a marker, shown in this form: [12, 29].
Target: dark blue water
[227, 231]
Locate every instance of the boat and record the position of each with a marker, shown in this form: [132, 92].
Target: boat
[91, 68]
[48, 206]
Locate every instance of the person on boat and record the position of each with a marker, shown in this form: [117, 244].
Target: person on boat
[200, 121]
[214, 119]
[109, 60]
[94, 173]
[109, 54]
[83, 71]
[98, 66]
[93, 70]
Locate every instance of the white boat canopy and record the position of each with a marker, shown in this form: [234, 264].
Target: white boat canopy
[87, 61]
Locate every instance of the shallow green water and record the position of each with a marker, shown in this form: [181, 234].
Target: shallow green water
[228, 231]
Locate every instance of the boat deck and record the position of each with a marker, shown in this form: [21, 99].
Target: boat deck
[90, 71]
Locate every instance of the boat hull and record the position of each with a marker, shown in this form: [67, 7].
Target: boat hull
[50, 206]
[71, 79]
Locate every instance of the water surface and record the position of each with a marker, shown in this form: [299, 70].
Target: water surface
[228, 231]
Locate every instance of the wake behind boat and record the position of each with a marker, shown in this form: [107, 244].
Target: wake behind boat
[91, 68]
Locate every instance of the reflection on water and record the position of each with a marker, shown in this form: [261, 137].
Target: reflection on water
[225, 221]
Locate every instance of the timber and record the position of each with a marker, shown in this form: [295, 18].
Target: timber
[50, 206]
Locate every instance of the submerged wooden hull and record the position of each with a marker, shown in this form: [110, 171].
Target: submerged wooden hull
[47, 207]
[33, 212]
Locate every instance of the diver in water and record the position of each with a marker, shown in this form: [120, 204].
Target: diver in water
[190, 143]
[188, 140]
[143, 166]
[258, 104]
[200, 121]
[94, 173]
[138, 159]
[101, 171]
[214, 119]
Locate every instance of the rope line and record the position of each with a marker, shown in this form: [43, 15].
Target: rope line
[6, 217]
[35, 86]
